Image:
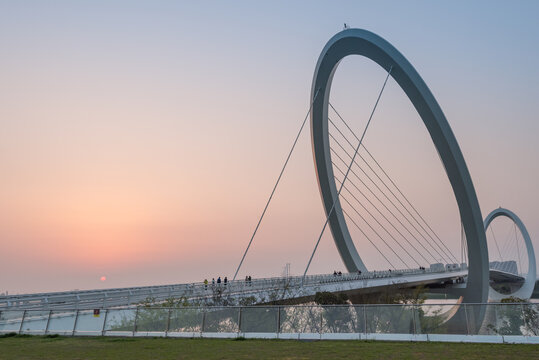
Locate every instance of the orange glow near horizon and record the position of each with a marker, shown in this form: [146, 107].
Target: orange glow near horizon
[147, 153]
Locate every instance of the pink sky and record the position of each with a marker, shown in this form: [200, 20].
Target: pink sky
[141, 144]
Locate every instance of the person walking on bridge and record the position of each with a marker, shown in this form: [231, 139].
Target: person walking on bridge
[205, 284]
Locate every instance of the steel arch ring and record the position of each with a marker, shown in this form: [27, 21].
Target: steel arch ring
[525, 292]
[375, 48]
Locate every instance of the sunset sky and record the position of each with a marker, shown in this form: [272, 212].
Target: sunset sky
[140, 140]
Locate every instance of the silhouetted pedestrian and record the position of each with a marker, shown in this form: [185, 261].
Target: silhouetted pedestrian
[226, 280]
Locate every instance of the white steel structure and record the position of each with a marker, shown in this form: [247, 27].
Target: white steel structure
[525, 292]
[367, 44]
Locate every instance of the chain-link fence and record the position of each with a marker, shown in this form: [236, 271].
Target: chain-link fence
[520, 319]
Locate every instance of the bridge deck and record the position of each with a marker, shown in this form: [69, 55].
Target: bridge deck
[263, 290]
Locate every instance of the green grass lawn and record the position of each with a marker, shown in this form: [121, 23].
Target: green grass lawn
[39, 347]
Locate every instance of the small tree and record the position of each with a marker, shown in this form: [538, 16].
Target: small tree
[521, 318]
[328, 298]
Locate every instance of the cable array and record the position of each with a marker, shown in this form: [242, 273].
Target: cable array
[375, 204]
[379, 206]
[508, 248]
[353, 157]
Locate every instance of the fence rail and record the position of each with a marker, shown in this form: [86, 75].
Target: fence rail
[517, 322]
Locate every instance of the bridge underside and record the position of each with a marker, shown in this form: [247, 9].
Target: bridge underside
[370, 290]
[379, 294]
[452, 285]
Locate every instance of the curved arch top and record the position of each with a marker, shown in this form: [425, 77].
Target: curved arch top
[367, 44]
[525, 292]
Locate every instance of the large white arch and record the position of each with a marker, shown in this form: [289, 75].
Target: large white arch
[372, 46]
[525, 292]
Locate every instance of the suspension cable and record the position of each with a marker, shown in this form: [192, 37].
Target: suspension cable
[385, 218]
[436, 237]
[394, 205]
[375, 232]
[496, 242]
[398, 189]
[379, 224]
[347, 171]
[506, 245]
[384, 205]
[366, 237]
[447, 257]
[277, 183]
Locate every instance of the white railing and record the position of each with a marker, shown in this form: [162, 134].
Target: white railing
[89, 299]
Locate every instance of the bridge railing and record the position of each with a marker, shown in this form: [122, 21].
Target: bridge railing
[88, 299]
[406, 321]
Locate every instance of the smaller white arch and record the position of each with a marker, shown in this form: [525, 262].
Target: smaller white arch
[525, 292]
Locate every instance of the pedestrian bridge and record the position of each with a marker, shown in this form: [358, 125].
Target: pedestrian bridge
[260, 291]
[356, 191]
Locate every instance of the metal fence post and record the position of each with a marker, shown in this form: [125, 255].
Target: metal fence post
[22, 321]
[203, 320]
[413, 320]
[321, 320]
[365, 319]
[168, 321]
[48, 321]
[239, 320]
[526, 325]
[75, 323]
[278, 319]
[467, 322]
[135, 323]
[496, 329]
[104, 322]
